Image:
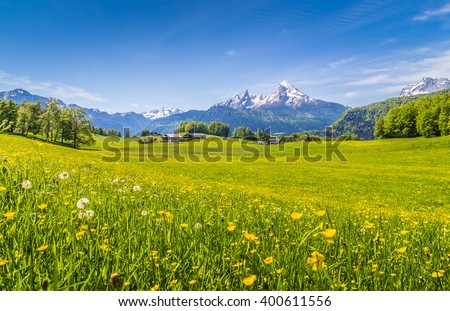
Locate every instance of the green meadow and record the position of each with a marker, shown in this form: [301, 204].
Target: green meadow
[222, 215]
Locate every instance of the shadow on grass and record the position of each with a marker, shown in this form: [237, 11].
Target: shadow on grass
[56, 143]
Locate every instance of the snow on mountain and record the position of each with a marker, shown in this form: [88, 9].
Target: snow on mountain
[164, 112]
[286, 95]
[20, 95]
[426, 85]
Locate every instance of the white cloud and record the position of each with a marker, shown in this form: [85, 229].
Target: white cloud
[396, 75]
[231, 53]
[65, 92]
[431, 13]
[389, 41]
[370, 80]
[341, 62]
[351, 94]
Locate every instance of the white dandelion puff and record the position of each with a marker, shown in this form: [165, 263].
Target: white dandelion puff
[26, 184]
[89, 213]
[144, 213]
[137, 188]
[82, 203]
[64, 175]
[198, 226]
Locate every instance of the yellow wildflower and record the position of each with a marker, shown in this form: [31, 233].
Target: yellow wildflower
[42, 248]
[369, 225]
[9, 215]
[3, 262]
[296, 216]
[329, 233]
[183, 226]
[249, 280]
[316, 260]
[268, 260]
[2, 189]
[250, 236]
[320, 213]
[155, 288]
[80, 234]
[438, 274]
[279, 271]
[173, 282]
[126, 283]
[231, 228]
[192, 282]
[168, 216]
[402, 249]
[42, 206]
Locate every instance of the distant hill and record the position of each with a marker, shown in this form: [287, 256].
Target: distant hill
[132, 120]
[20, 95]
[361, 121]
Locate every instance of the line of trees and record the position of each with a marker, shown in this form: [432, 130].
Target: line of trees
[54, 122]
[214, 128]
[106, 132]
[426, 117]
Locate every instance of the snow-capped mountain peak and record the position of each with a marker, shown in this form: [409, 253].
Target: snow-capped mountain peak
[288, 88]
[426, 85]
[286, 95]
[164, 112]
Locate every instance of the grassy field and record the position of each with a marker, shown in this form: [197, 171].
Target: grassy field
[242, 221]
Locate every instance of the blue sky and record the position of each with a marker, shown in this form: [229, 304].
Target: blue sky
[138, 55]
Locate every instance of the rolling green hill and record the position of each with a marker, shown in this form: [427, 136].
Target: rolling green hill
[361, 121]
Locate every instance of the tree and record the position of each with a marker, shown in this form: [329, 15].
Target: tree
[81, 128]
[8, 116]
[28, 117]
[428, 117]
[379, 128]
[219, 129]
[181, 127]
[444, 117]
[242, 132]
[145, 133]
[49, 120]
[196, 127]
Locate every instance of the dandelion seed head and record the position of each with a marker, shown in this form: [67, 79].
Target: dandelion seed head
[82, 203]
[64, 175]
[26, 184]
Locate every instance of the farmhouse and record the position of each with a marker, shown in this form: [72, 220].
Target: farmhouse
[170, 138]
[274, 141]
[190, 136]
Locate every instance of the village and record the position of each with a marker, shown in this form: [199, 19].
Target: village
[177, 138]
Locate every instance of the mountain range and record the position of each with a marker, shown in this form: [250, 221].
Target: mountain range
[286, 110]
[424, 86]
[132, 120]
